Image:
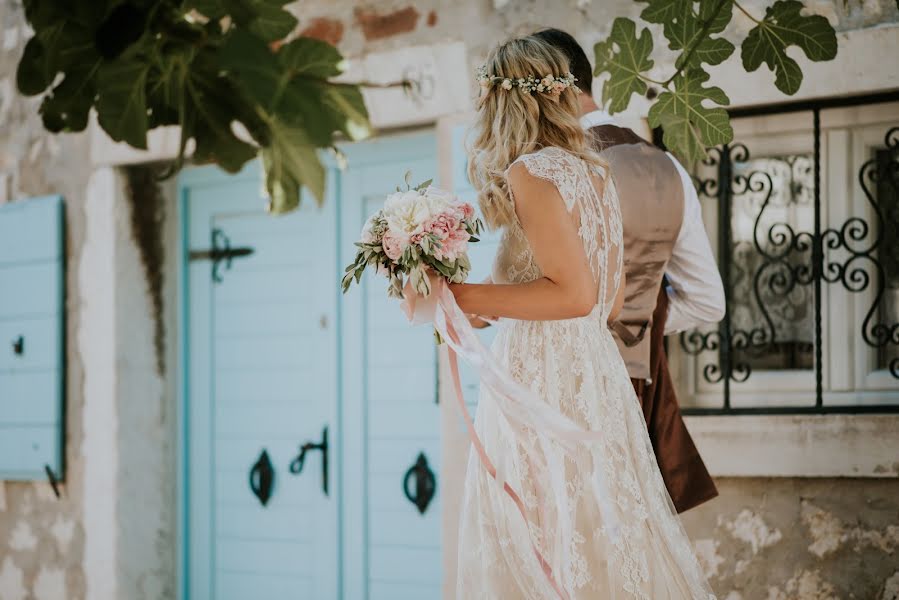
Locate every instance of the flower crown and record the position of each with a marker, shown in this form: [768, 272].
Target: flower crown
[530, 84]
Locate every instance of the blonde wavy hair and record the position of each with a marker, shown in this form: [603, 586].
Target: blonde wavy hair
[512, 122]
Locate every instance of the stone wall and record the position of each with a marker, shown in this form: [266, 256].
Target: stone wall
[42, 538]
[111, 535]
[358, 27]
[800, 539]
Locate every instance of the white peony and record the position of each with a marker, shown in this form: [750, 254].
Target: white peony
[405, 212]
[440, 200]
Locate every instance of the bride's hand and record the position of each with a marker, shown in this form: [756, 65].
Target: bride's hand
[479, 323]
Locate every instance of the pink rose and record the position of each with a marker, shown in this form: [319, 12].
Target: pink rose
[455, 245]
[442, 225]
[467, 211]
[394, 245]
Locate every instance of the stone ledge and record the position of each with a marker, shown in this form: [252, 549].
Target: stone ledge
[798, 445]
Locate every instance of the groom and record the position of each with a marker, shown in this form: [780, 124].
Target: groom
[664, 238]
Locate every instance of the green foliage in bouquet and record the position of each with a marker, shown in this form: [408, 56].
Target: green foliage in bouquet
[215, 68]
[691, 113]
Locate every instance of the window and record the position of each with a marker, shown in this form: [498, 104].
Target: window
[803, 209]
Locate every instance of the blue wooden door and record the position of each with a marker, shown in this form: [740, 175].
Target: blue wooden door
[275, 355]
[261, 378]
[392, 547]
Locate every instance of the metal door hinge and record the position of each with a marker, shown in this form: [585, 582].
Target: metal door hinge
[220, 251]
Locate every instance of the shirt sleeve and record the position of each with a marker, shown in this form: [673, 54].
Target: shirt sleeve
[695, 291]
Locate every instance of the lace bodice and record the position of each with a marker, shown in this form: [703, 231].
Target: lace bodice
[590, 197]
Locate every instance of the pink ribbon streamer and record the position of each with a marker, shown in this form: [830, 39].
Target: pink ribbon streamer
[519, 405]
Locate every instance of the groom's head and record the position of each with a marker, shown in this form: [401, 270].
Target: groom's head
[577, 59]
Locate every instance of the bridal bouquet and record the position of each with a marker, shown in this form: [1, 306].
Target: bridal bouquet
[421, 231]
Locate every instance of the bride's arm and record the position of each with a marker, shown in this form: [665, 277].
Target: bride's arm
[567, 288]
[481, 321]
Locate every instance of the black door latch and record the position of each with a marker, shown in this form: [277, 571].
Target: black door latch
[296, 466]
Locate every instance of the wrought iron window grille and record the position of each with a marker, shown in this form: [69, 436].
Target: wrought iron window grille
[778, 276]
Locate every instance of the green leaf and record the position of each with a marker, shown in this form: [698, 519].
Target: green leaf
[691, 33]
[41, 14]
[61, 46]
[122, 104]
[323, 108]
[712, 51]
[212, 104]
[165, 91]
[717, 13]
[241, 11]
[689, 126]
[782, 27]
[33, 74]
[625, 56]
[347, 101]
[310, 57]
[291, 161]
[423, 185]
[664, 11]
[272, 23]
[254, 65]
[68, 106]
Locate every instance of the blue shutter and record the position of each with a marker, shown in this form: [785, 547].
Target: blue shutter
[32, 334]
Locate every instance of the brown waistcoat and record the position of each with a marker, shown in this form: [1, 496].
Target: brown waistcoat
[652, 211]
[652, 207]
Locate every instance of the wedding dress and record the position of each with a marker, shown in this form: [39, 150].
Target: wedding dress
[597, 513]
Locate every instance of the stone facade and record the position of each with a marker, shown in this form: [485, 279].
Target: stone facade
[800, 538]
[113, 533]
[42, 538]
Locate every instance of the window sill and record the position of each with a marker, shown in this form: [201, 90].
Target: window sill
[798, 445]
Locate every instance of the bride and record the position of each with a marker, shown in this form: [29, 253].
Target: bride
[591, 519]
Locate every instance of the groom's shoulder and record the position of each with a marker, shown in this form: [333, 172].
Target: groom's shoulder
[603, 137]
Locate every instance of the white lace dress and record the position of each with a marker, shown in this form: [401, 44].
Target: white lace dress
[631, 546]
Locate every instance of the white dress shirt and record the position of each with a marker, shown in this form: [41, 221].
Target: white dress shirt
[695, 291]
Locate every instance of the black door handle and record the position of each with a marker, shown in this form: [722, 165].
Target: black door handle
[425, 483]
[18, 346]
[262, 478]
[296, 466]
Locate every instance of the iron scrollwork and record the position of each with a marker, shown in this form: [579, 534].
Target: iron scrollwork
[773, 275]
[879, 179]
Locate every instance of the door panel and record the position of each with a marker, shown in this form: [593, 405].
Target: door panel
[262, 376]
[398, 418]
